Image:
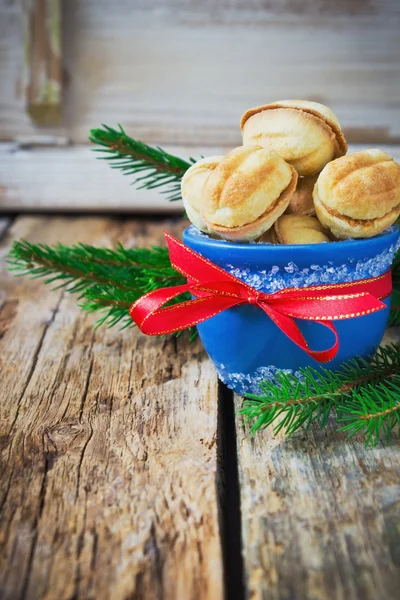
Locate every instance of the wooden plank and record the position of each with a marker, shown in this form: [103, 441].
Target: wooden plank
[227, 10]
[320, 515]
[108, 486]
[42, 60]
[71, 179]
[185, 71]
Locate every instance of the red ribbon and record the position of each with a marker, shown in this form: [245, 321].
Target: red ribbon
[215, 290]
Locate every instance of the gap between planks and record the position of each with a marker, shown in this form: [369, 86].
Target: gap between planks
[5, 223]
[229, 497]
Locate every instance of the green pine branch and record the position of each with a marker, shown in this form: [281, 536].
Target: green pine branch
[364, 395]
[151, 167]
[396, 268]
[110, 280]
[395, 308]
[106, 281]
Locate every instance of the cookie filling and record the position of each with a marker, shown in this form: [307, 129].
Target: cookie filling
[355, 222]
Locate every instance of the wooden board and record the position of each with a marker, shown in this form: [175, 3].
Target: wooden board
[176, 72]
[71, 179]
[108, 444]
[320, 516]
[119, 479]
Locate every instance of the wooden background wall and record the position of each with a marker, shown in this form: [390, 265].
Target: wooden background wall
[180, 73]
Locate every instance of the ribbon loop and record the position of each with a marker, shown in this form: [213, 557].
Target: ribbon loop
[214, 290]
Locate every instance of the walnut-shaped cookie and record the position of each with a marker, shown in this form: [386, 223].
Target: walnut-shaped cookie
[305, 134]
[246, 192]
[192, 186]
[302, 203]
[358, 195]
[299, 229]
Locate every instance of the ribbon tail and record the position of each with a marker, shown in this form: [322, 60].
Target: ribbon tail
[288, 326]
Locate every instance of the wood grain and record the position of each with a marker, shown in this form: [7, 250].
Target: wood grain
[71, 179]
[108, 444]
[178, 72]
[320, 515]
[227, 10]
[42, 60]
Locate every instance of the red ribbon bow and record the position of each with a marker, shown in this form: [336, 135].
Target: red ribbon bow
[215, 290]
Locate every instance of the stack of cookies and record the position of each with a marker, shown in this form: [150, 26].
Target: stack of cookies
[292, 182]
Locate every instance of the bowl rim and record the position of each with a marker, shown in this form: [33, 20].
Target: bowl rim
[381, 241]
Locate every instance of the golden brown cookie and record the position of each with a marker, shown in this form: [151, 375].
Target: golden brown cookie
[268, 237]
[358, 195]
[192, 185]
[298, 229]
[301, 203]
[305, 134]
[246, 192]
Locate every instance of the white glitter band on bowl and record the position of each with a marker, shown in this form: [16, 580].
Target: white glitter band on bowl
[249, 383]
[277, 278]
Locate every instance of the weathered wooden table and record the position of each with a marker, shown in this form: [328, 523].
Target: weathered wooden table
[125, 473]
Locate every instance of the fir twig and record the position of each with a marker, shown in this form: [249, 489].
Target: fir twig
[375, 410]
[365, 396]
[105, 280]
[151, 167]
[395, 308]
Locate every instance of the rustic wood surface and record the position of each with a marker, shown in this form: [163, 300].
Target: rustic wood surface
[179, 74]
[108, 444]
[320, 515]
[178, 71]
[25, 183]
[125, 475]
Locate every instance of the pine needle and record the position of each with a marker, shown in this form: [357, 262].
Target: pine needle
[364, 394]
[106, 281]
[151, 166]
[395, 308]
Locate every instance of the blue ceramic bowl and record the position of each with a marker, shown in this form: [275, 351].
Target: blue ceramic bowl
[246, 347]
